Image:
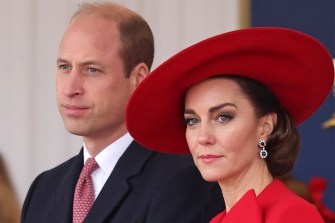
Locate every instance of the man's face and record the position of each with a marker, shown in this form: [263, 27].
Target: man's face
[91, 87]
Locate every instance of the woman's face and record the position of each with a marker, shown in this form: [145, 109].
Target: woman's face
[222, 130]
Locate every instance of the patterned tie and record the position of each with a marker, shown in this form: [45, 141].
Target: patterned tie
[84, 193]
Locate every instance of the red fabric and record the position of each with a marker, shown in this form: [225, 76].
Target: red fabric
[84, 192]
[276, 204]
[317, 187]
[249, 202]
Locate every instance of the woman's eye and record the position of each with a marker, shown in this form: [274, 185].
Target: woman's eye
[191, 121]
[224, 118]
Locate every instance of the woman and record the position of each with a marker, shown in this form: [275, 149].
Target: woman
[238, 97]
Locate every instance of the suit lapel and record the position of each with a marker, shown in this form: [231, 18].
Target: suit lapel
[62, 210]
[117, 187]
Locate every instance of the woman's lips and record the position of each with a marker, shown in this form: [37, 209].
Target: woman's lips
[208, 158]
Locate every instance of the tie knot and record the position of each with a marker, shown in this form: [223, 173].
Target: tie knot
[90, 166]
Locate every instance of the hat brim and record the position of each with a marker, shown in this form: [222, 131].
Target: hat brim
[295, 66]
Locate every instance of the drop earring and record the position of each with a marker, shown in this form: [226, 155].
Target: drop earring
[263, 153]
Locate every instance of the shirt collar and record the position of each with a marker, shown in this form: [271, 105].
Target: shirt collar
[109, 156]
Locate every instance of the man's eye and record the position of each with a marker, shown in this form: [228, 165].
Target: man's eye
[63, 67]
[92, 69]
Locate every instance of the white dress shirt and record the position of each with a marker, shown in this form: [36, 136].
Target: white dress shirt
[107, 160]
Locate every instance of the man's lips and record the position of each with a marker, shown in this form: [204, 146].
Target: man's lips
[74, 110]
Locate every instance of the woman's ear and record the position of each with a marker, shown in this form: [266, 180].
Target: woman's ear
[137, 75]
[268, 123]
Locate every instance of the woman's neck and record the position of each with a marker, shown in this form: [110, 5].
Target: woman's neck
[233, 189]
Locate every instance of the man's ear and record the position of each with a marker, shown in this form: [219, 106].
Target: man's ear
[268, 122]
[138, 74]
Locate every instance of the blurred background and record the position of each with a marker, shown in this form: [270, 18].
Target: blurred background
[32, 136]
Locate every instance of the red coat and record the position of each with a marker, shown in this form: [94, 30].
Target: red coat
[275, 204]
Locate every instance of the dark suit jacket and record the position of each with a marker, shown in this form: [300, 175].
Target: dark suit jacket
[145, 186]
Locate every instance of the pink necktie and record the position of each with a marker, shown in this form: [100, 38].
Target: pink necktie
[84, 192]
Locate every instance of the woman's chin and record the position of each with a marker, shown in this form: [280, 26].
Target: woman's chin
[210, 177]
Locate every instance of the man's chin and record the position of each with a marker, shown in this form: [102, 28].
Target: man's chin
[75, 130]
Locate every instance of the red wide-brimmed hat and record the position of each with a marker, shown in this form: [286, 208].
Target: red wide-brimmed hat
[296, 67]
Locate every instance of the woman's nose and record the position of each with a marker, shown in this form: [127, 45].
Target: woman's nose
[205, 136]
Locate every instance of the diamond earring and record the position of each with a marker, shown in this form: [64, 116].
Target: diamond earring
[263, 153]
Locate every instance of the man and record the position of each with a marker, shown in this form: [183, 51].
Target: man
[106, 51]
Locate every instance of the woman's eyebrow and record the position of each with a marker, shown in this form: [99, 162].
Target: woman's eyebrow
[220, 106]
[210, 110]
